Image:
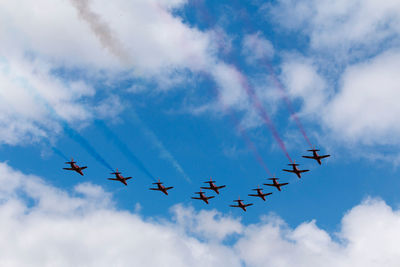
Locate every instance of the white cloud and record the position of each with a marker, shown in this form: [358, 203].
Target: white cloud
[256, 47]
[301, 78]
[366, 106]
[341, 24]
[104, 40]
[45, 226]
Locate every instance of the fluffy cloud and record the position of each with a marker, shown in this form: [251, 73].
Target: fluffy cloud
[45, 226]
[256, 47]
[341, 24]
[45, 44]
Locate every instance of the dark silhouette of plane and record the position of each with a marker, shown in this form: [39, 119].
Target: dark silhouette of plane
[316, 156]
[161, 187]
[119, 177]
[202, 196]
[276, 184]
[213, 186]
[295, 170]
[75, 167]
[260, 193]
[240, 204]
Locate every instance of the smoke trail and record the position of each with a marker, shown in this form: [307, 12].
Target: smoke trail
[250, 144]
[71, 132]
[101, 30]
[124, 149]
[59, 152]
[275, 79]
[264, 115]
[164, 153]
[288, 102]
[235, 121]
[86, 145]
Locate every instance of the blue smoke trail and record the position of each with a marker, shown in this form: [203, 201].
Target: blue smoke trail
[60, 153]
[124, 149]
[86, 145]
[71, 132]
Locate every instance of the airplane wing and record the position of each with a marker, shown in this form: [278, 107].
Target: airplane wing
[235, 206]
[253, 195]
[283, 184]
[210, 197]
[303, 171]
[196, 198]
[69, 169]
[270, 184]
[288, 170]
[156, 189]
[114, 179]
[205, 187]
[250, 204]
[308, 157]
[222, 186]
[84, 167]
[168, 188]
[267, 194]
[127, 178]
[324, 156]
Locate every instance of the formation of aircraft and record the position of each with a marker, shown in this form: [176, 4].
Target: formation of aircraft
[75, 167]
[295, 170]
[275, 183]
[240, 204]
[316, 156]
[119, 177]
[212, 184]
[260, 193]
[161, 187]
[202, 196]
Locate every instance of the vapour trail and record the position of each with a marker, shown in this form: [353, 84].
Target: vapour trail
[73, 134]
[59, 152]
[211, 21]
[124, 149]
[278, 84]
[101, 29]
[250, 144]
[164, 153]
[243, 133]
[288, 103]
[264, 115]
[86, 145]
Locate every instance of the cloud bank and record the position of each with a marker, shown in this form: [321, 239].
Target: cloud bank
[45, 226]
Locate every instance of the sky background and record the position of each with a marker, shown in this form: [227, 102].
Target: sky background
[162, 86]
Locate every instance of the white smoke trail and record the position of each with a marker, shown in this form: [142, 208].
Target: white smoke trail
[164, 153]
[101, 29]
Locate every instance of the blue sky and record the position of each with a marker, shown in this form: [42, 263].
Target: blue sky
[166, 78]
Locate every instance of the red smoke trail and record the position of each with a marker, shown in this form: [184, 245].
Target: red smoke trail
[264, 115]
[253, 96]
[250, 144]
[289, 105]
[283, 92]
[235, 121]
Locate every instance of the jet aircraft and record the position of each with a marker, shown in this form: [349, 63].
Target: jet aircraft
[240, 204]
[316, 156]
[260, 193]
[75, 167]
[202, 196]
[119, 177]
[161, 187]
[276, 184]
[295, 170]
[213, 186]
